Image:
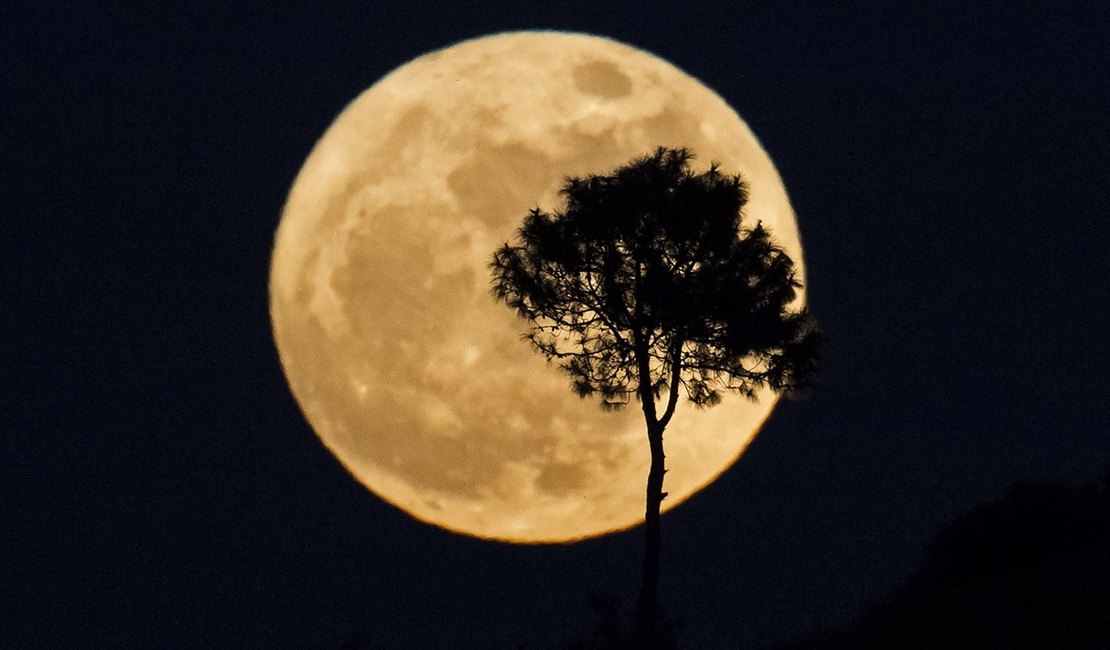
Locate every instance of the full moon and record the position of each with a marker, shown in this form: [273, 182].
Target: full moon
[398, 355]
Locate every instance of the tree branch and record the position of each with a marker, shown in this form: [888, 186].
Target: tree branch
[676, 379]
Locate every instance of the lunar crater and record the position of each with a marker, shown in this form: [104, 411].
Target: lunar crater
[602, 79]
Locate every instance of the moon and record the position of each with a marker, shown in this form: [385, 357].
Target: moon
[392, 344]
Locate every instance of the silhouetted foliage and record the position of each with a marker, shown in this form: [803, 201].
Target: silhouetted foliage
[650, 265]
[1029, 571]
[616, 630]
[647, 284]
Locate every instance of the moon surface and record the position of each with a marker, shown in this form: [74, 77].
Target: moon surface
[398, 355]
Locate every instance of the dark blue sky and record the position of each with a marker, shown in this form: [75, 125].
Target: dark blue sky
[159, 487]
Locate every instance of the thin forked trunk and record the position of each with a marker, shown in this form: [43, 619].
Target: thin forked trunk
[648, 605]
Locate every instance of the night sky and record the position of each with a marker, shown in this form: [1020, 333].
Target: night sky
[160, 488]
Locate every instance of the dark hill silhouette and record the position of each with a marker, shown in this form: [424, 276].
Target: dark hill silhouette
[1031, 570]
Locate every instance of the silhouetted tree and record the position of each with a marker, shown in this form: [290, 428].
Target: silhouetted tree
[646, 284]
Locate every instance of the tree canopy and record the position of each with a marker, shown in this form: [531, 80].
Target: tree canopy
[647, 280]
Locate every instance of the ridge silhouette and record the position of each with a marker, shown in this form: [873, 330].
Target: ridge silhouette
[1030, 570]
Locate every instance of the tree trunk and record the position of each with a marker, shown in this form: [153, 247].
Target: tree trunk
[647, 610]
